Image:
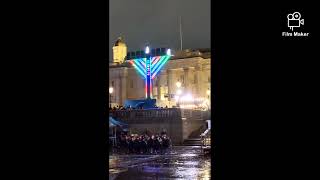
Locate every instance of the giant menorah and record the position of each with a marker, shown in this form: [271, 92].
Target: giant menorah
[148, 64]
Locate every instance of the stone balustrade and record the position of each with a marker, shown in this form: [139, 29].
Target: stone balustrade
[178, 123]
[146, 115]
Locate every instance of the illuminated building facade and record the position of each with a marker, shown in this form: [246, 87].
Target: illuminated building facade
[119, 51]
[184, 80]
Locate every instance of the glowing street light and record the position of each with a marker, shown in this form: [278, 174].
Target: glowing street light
[187, 98]
[179, 92]
[178, 84]
[110, 92]
[147, 50]
[208, 92]
[169, 52]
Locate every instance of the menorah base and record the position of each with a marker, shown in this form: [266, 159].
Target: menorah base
[141, 103]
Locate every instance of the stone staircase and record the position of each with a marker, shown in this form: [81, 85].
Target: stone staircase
[192, 142]
[194, 138]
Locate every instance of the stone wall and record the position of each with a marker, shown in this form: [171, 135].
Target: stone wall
[178, 124]
[153, 120]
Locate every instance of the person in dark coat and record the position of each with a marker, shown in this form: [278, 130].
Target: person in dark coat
[136, 147]
[143, 145]
[126, 144]
[156, 144]
[150, 144]
[123, 144]
[130, 145]
[166, 144]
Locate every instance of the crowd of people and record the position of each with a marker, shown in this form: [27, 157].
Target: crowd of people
[130, 108]
[142, 144]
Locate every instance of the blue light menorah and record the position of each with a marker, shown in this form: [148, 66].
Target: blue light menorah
[148, 65]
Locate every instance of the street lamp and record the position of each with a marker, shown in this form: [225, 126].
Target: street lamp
[208, 93]
[110, 92]
[179, 92]
[178, 84]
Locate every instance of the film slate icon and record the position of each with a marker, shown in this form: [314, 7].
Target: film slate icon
[294, 20]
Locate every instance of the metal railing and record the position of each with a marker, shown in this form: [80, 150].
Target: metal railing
[206, 141]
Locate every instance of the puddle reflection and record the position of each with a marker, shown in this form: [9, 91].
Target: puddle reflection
[183, 166]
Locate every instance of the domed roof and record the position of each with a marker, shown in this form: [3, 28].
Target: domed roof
[119, 42]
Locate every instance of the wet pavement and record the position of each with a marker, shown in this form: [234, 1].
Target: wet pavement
[183, 162]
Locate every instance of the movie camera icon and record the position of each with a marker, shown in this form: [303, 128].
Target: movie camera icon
[294, 20]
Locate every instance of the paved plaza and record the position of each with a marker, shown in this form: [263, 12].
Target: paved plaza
[183, 162]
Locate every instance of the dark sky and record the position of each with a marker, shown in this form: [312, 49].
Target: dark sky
[157, 22]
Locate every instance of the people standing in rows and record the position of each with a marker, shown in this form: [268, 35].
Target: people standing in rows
[143, 144]
[150, 144]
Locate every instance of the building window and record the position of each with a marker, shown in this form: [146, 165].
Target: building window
[209, 80]
[112, 83]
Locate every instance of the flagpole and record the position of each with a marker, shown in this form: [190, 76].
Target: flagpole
[180, 33]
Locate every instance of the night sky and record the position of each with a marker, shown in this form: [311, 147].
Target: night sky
[157, 22]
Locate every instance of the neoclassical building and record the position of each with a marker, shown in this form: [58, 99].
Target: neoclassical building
[191, 68]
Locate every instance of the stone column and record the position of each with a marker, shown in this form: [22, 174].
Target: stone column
[159, 87]
[123, 85]
[198, 71]
[170, 82]
[161, 82]
[188, 79]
